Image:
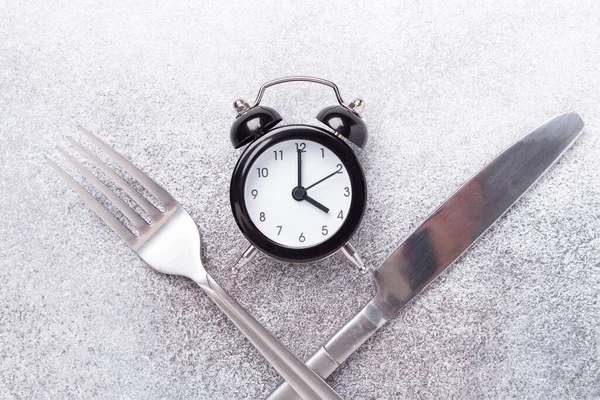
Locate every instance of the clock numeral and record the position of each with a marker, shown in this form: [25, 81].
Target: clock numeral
[254, 193]
[322, 152]
[262, 172]
[346, 191]
[302, 238]
[341, 214]
[300, 146]
[262, 218]
[324, 230]
[339, 168]
[278, 154]
[279, 226]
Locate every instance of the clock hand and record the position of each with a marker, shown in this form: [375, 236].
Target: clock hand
[299, 194]
[327, 177]
[316, 204]
[299, 168]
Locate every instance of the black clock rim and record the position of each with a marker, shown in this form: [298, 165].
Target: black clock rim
[355, 212]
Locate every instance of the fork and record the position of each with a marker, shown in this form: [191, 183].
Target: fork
[171, 245]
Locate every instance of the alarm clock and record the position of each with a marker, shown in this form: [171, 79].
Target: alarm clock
[298, 192]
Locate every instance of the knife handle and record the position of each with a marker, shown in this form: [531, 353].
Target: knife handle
[337, 349]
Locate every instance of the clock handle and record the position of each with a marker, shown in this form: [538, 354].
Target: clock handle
[320, 81]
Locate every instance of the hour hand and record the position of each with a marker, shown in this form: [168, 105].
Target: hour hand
[316, 204]
[299, 194]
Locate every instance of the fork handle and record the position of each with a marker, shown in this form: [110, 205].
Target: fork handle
[300, 377]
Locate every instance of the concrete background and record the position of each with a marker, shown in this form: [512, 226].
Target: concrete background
[447, 85]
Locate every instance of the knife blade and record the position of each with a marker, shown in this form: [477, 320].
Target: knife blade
[446, 234]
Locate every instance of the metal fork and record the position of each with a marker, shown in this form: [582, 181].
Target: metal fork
[171, 245]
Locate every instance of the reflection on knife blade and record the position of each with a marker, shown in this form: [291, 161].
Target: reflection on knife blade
[446, 234]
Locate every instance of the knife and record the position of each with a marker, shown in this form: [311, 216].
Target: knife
[445, 235]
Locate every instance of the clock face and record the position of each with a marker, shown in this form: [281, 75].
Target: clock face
[291, 217]
[298, 193]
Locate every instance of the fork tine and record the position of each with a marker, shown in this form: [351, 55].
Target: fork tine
[131, 215]
[95, 205]
[141, 177]
[131, 192]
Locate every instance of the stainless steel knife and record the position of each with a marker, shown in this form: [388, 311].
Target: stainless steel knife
[445, 235]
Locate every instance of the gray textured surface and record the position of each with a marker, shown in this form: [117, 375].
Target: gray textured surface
[448, 85]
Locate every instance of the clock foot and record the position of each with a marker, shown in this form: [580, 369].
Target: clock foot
[352, 255]
[246, 257]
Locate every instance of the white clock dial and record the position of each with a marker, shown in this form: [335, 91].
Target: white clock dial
[318, 209]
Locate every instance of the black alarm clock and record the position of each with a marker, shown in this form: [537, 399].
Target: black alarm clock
[298, 192]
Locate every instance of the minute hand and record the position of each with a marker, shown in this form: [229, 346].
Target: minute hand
[327, 177]
[299, 168]
[445, 235]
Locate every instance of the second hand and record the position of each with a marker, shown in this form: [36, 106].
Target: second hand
[327, 177]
